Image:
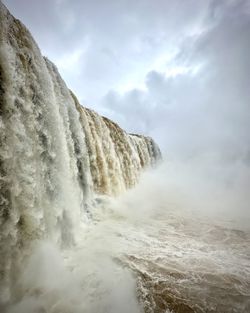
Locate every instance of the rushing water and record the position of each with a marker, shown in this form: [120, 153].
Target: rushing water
[55, 155]
[193, 269]
[163, 259]
[64, 247]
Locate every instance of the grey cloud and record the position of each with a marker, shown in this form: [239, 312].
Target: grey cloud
[129, 42]
[206, 113]
[45, 20]
[123, 37]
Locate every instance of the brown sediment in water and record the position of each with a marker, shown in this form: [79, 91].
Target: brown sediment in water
[201, 286]
[158, 296]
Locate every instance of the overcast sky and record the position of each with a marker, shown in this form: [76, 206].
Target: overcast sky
[177, 70]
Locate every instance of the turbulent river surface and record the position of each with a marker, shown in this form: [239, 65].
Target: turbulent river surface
[187, 264]
[73, 239]
[131, 259]
[187, 267]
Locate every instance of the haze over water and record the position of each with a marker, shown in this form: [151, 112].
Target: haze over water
[179, 241]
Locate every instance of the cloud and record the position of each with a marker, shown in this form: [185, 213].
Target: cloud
[175, 70]
[124, 38]
[205, 108]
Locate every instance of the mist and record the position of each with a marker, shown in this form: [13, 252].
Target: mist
[101, 273]
[197, 108]
[178, 240]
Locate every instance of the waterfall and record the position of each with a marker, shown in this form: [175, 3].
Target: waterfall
[115, 157]
[71, 239]
[55, 154]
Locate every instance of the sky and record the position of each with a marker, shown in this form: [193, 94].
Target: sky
[176, 70]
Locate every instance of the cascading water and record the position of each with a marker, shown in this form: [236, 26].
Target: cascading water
[66, 245]
[54, 153]
[115, 157]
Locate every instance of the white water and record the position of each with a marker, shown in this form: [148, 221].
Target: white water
[142, 249]
[178, 241]
[54, 156]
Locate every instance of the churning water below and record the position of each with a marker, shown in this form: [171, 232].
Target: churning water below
[143, 252]
[193, 266]
[139, 253]
[169, 264]
[185, 263]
